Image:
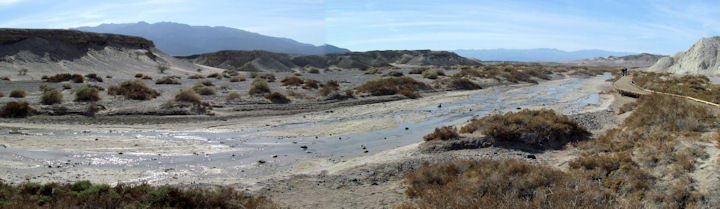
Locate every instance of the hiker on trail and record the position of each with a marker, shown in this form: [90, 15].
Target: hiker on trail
[624, 71]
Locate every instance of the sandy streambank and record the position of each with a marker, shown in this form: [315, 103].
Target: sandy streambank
[111, 144]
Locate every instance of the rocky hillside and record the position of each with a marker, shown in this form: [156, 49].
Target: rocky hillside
[269, 61]
[638, 60]
[45, 52]
[702, 58]
[183, 40]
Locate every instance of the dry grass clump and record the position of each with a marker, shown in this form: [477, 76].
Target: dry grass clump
[233, 96]
[329, 87]
[501, 184]
[277, 98]
[314, 71]
[203, 88]
[432, 74]
[139, 75]
[167, 80]
[147, 77]
[292, 81]
[134, 89]
[50, 96]
[4, 78]
[259, 86]
[17, 93]
[94, 77]
[237, 79]
[196, 76]
[311, 84]
[418, 70]
[15, 110]
[391, 86]
[457, 83]
[2, 94]
[83, 194]
[394, 74]
[442, 133]
[269, 77]
[67, 86]
[187, 95]
[87, 94]
[215, 75]
[540, 129]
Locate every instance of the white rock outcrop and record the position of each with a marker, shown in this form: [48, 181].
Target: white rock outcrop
[702, 58]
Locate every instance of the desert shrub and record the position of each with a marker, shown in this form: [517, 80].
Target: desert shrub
[87, 94]
[468, 73]
[663, 112]
[540, 129]
[697, 86]
[44, 77]
[204, 90]
[4, 78]
[237, 79]
[277, 98]
[311, 84]
[516, 76]
[442, 133]
[67, 86]
[43, 86]
[17, 93]
[134, 89]
[99, 88]
[94, 77]
[206, 83]
[77, 78]
[259, 86]
[108, 76]
[215, 75]
[269, 77]
[314, 71]
[501, 184]
[147, 77]
[196, 76]
[233, 96]
[292, 81]
[139, 75]
[15, 110]
[392, 85]
[463, 83]
[162, 68]
[51, 96]
[187, 95]
[83, 194]
[418, 70]
[394, 74]
[329, 87]
[2, 94]
[167, 80]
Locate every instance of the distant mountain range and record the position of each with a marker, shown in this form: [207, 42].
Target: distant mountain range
[530, 55]
[182, 40]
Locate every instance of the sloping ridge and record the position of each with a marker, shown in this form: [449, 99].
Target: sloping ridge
[45, 52]
[270, 61]
[702, 58]
[637, 60]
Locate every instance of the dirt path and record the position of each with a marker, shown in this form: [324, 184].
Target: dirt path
[706, 173]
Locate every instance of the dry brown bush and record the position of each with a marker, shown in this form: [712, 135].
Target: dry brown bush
[259, 86]
[292, 81]
[196, 76]
[277, 98]
[15, 110]
[134, 89]
[237, 79]
[167, 80]
[501, 184]
[442, 133]
[664, 112]
[187, 95]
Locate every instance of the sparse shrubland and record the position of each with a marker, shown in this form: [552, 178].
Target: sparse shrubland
[57, 78]
[83, 194]
[15, 110]
[390, 86]
[418, 70]
[433, 74]
[501, 184]
[94, 77]
[269, 77]
[204, 88]
[455, 83]
[133, 89]
[196, 76]
[697, 86]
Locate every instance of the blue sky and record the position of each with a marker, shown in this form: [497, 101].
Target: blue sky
[663, 27]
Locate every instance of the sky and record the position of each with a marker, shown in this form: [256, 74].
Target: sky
[653, 26]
